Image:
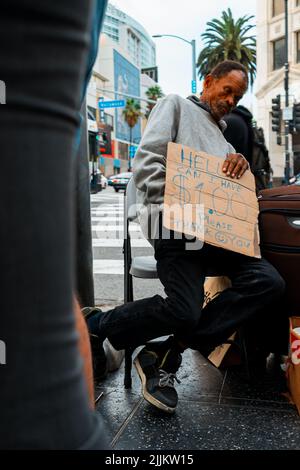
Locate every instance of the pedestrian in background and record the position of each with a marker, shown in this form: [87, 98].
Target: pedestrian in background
[248, 139]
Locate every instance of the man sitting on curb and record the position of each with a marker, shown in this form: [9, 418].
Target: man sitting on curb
[196, 123]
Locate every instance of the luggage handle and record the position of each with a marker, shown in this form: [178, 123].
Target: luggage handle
[281, 192]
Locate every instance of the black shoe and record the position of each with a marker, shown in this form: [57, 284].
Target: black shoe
[100, 366]
[157, 367]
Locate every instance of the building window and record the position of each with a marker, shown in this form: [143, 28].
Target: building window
[278, 53]
[278, 7]
[109, 120]
[92, 112]
[298, 47]
[123, 150]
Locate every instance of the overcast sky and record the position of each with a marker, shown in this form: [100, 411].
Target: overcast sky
[186, 18]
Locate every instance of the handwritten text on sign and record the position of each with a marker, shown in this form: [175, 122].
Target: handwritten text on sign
[230, 215]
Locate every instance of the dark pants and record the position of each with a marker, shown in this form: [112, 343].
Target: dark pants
[255, 285]
[43, 394]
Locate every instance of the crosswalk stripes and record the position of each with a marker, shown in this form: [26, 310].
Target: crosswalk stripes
[114, 228]
[107, 217]
[108, 266]
[103, 218]
[118, 243]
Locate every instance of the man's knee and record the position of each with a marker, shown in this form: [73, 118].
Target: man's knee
[276, 283]
[185, 314]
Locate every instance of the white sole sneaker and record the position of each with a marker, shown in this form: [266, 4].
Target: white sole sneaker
[114, 357]
[148, 397]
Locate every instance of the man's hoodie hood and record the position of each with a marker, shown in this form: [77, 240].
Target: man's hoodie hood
[222, 124]
[244, 112]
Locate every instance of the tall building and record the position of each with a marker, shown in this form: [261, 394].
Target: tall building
[126, 51]
[121, 76]
[270, 72]
[131, 36]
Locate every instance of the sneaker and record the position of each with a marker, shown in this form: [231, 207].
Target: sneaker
[157, 365]
[114, 357]
[100, 366]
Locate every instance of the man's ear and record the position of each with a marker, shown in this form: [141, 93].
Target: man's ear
[207, 81]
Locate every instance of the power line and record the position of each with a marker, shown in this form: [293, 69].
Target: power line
[103, 90]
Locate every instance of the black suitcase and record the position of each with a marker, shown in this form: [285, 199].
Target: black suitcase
[279, 224]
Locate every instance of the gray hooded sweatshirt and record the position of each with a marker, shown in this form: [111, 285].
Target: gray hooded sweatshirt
[179, 120]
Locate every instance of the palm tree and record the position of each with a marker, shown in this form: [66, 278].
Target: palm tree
[227, 39]
[153, 93]
[131, 114]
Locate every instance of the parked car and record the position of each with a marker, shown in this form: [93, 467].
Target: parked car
[104, 181]
[295, 179]
[119, 181]
[101, 180]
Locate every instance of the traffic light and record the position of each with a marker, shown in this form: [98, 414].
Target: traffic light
[194, 86]
[276, 114]
[296, 117]
[104, 141]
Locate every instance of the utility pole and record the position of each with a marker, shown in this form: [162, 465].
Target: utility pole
[286, 89]
[194, 82]
[193, 44]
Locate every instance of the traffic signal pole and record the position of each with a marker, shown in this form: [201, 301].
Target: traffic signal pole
[193, 43]
[286, 89]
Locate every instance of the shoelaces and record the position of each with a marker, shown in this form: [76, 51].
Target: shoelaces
[167, 379]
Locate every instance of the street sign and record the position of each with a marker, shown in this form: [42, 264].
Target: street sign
[132, 150]
[92, 126]
[194, 86]
[111, 104]
[287, 114]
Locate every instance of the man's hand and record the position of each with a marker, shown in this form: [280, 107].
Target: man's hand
[235, 165]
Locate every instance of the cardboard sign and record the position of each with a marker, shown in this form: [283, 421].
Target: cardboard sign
[222, 211]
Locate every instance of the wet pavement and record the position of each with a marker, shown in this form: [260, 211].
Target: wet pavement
[217, 410]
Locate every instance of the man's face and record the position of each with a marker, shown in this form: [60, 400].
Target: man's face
[223, 94]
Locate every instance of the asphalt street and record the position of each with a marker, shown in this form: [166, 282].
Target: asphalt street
[107, 211]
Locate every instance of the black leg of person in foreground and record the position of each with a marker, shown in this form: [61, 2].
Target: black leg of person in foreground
[43, 396]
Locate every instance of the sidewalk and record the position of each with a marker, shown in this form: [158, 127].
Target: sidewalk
[216, 411]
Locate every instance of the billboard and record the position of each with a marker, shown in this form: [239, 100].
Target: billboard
[127, 80]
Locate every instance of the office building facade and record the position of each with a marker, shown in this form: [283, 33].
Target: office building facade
[270, 72]
[131, 36]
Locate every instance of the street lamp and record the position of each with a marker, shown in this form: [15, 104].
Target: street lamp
[191, 43]
[287, 169]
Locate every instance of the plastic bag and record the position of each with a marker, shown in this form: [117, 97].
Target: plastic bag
[293, 362]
